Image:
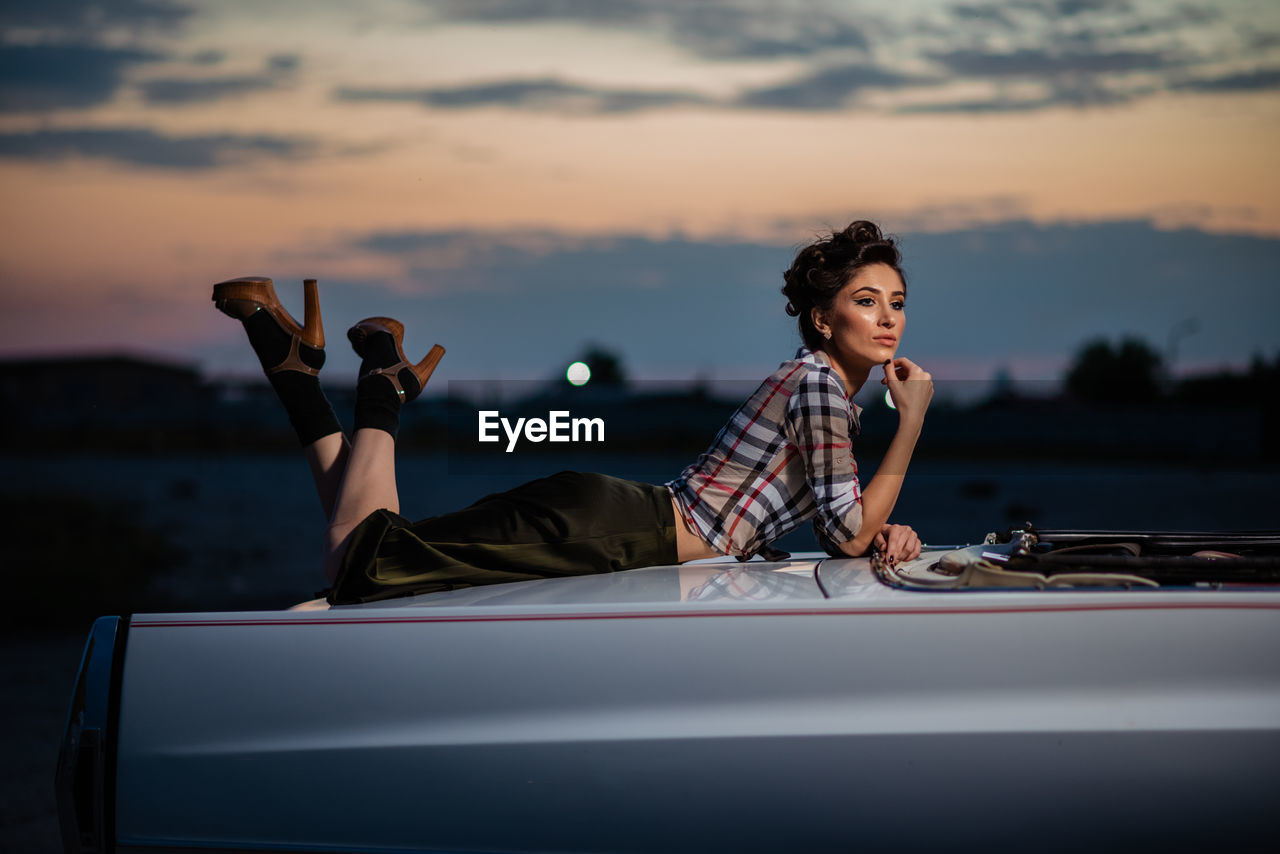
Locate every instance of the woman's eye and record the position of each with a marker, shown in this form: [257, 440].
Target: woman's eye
[898, 306]
[865, 301]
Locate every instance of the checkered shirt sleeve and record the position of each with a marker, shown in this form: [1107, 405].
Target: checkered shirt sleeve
[783, 458]
[818, 425]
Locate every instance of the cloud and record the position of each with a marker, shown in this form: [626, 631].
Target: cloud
[284, 62]
[1081, 53]
[1086, 19]
[1049, 63]
[1259, 80]
[208, 57]
[1015, 13]
[1264, 41]
[717, 32]
[826, 89]
[523, 11]
[1176, 18]
[714, 29]
[1081, 49]
[540, 95]
[176, 91]
[1086, 53]
[404, 242]
[979, 106]
[141, 147]
[1078, 53]
[1073, 8]
[52, 76]
[1079, 93]
[469, 247]
[82, 16]
[985, 14]
[168, 91]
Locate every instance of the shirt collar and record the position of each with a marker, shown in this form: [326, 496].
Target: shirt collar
[804, 354]
[817, 357]
[813, 357]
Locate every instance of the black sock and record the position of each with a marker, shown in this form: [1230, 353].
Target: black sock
[308, 409]
[377, 401]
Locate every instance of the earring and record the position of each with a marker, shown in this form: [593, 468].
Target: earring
[827, 334]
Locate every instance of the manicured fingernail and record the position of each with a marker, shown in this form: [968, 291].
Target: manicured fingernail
[887, 362]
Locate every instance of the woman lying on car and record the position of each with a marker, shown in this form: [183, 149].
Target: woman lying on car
[783, 458]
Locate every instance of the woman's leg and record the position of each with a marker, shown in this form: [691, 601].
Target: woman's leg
[571, 523]
[327, 457]
[368, 484]
[366, 480]
[291, 355]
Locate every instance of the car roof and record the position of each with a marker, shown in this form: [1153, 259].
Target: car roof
[804, 581]
[716, 579]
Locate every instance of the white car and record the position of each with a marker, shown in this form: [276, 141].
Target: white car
[1054, 691]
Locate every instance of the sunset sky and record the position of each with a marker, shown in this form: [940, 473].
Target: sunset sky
[516, 178]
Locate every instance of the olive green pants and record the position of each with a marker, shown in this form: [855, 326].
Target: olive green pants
[571, 523]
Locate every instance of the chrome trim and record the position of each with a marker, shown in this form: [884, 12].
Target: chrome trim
[84, 779]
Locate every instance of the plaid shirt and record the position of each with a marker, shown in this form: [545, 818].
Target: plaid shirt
[785, 456]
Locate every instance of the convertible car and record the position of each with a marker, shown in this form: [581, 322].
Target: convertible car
[1043, 690]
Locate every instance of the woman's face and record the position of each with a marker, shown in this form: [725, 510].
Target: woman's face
[867, 317]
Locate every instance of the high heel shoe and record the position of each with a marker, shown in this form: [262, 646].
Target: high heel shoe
[242, 298]
[359, 336]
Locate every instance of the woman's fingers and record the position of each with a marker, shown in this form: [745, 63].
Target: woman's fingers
[895, 543]
[905, 369]
[878, 542]
[904, 545]
[894, 538]
[910, 385]
[900, 542]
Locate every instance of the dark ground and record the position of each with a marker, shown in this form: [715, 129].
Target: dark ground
[35, 688]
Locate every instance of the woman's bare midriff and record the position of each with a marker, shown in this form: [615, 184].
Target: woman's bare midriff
[689, 545]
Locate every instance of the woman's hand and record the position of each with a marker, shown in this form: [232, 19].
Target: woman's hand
[911, 387]
[897, 542]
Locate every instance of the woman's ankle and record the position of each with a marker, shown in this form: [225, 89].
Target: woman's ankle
[377, 406]
[309, 411]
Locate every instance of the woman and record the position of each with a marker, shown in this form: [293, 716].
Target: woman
[784, 457]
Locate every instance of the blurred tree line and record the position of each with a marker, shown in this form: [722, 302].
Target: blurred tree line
[1133, 372]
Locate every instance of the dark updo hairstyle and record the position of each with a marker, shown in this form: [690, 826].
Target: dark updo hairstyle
[822, 268]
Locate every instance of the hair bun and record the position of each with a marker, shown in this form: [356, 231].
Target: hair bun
[864, 231]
